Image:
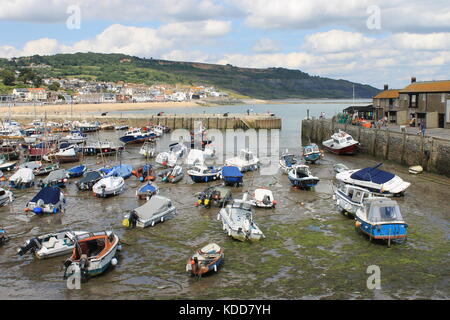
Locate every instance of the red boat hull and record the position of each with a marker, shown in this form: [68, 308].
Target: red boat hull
[350, 150]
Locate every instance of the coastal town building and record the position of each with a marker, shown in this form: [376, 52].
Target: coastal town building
[36, 94]
[386, 104]
[20, 93]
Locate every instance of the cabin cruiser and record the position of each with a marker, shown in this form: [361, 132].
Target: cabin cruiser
[176, 151]
[201, 173]
[148, 149]
[237, 221]
[64, 155]
[341, 143]
[137, 136]
[375, 180]
[246, 161]
[350, 198]
[300, 176]
[197, 156]
[380, 218]
[48, 200]
[86, 126]
[109, 186]
[311, 153]
[92, 254]
[75, 137]
[156, 209]
[103, 148]
[287, 160]
[50, 245]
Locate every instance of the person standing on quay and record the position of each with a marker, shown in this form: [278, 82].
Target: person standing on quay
[422, 127]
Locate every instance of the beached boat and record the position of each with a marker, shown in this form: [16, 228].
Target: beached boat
[76, 171]
[121, 170]
[64, 155]
[156, 209]
[237, 221]
[48, 200]
[137, 136]
[172, 175]
[147, 191]
[7, 165]
[166, 159]
[89, 180]
[57, 178]
[415, 169]
[232, 176]
[145, 173]
[75, 137]
[311, 153]
[263, 198]
[92, 254]
[109, 186]
[339, 167]
[85, 127]
[246, 161]
[351, 198]
[148, 149]
[22, 178]
[380, 218]
[50, 245]
[6, 197]
[121, 127]
[341, 143]
[375, 180]
[300, 176]
[218, 196]
[287, 160]
[196, 156]
[201, 173]
[43, 170]
[102, 148]
[205, 260]
[33, 165]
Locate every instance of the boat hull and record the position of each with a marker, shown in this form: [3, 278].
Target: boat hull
[304, 183]
[350, 150]
[383, 231]
[203, 179]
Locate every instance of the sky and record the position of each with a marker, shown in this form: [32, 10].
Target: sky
[373, 42]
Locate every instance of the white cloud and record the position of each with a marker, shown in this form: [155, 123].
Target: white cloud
[421, 42]
[196, 29]
[336, 41]
[265, 45]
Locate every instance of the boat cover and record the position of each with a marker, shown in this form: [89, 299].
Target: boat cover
[373, 174]
[231, 171]
[48, 195]
[155, 205]
[289, 160]
[25, 174]
[90, 176]
[148, 187]
[77, 169]
[384, 210]
[122, 170]
[55, 175]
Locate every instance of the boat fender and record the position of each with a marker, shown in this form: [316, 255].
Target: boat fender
[162, 219]
[215, 268]
[153, 223]
[218, 216]
[113, 261]
[357, 224]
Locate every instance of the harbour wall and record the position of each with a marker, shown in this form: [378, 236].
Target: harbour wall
[432, 153]
[182, 121]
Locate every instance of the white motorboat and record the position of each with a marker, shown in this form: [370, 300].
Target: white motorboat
[246, 161]
[350, 198]
[169, 159]
[287, 160]
[201, 173]
[375, 180]
[341, 143]
[109, 186]
[263, 198]
[237, 221]
[6, 197]
[300, 176]
[148, 149]
[156, 209]
[51, 244]
[76, 137]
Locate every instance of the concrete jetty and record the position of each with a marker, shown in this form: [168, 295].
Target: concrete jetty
[431, 152]
[173, 121]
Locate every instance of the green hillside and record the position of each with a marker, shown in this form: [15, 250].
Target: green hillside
[270, 83]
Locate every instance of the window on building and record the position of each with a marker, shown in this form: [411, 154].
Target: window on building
[424, 97]
[443, 96]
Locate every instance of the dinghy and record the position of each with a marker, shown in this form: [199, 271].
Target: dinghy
[375, 180]
[147, 191]
[92, 254]
[246, 161]
[57, 178]
[341, 143]
[48, 200]
[144, 173]
[87, 182]
[50, 245]
[172, 175]
[157, 209]
[287, 160]
[23, 178]
[232, 176]
[218, 196]
[339, 167]
[6, 197]
[263, 198]
[205, 260]
[300, 176]
[311, 153]
[109, 186]
[237, 221]
[381, 219]
[415, 169]
[43, 170]
[76, 171]
[201, 173]
[351, 198]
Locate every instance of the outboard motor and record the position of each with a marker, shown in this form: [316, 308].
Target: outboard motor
[31, 245]
[266, 200]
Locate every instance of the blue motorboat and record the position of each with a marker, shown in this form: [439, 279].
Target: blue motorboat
[48, 200]
[201, 173]
[77, 171]
[137, 136]
[301, 177]
[231, 175]
[147, 191]
[380, 218]
[311, 153]
[287, 160]
[122, 170]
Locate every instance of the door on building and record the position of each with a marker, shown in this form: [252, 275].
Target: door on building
[441, 119]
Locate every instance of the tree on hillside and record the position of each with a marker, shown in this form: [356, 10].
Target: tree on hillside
[37, 81]
[54, 86]
[8, 77]
[26, 75]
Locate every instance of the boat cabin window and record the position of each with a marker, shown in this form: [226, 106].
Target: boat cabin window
[308, 150]
[2, 192]
[336, 141]
[349, 138]
[358, 196]
[385, 214]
